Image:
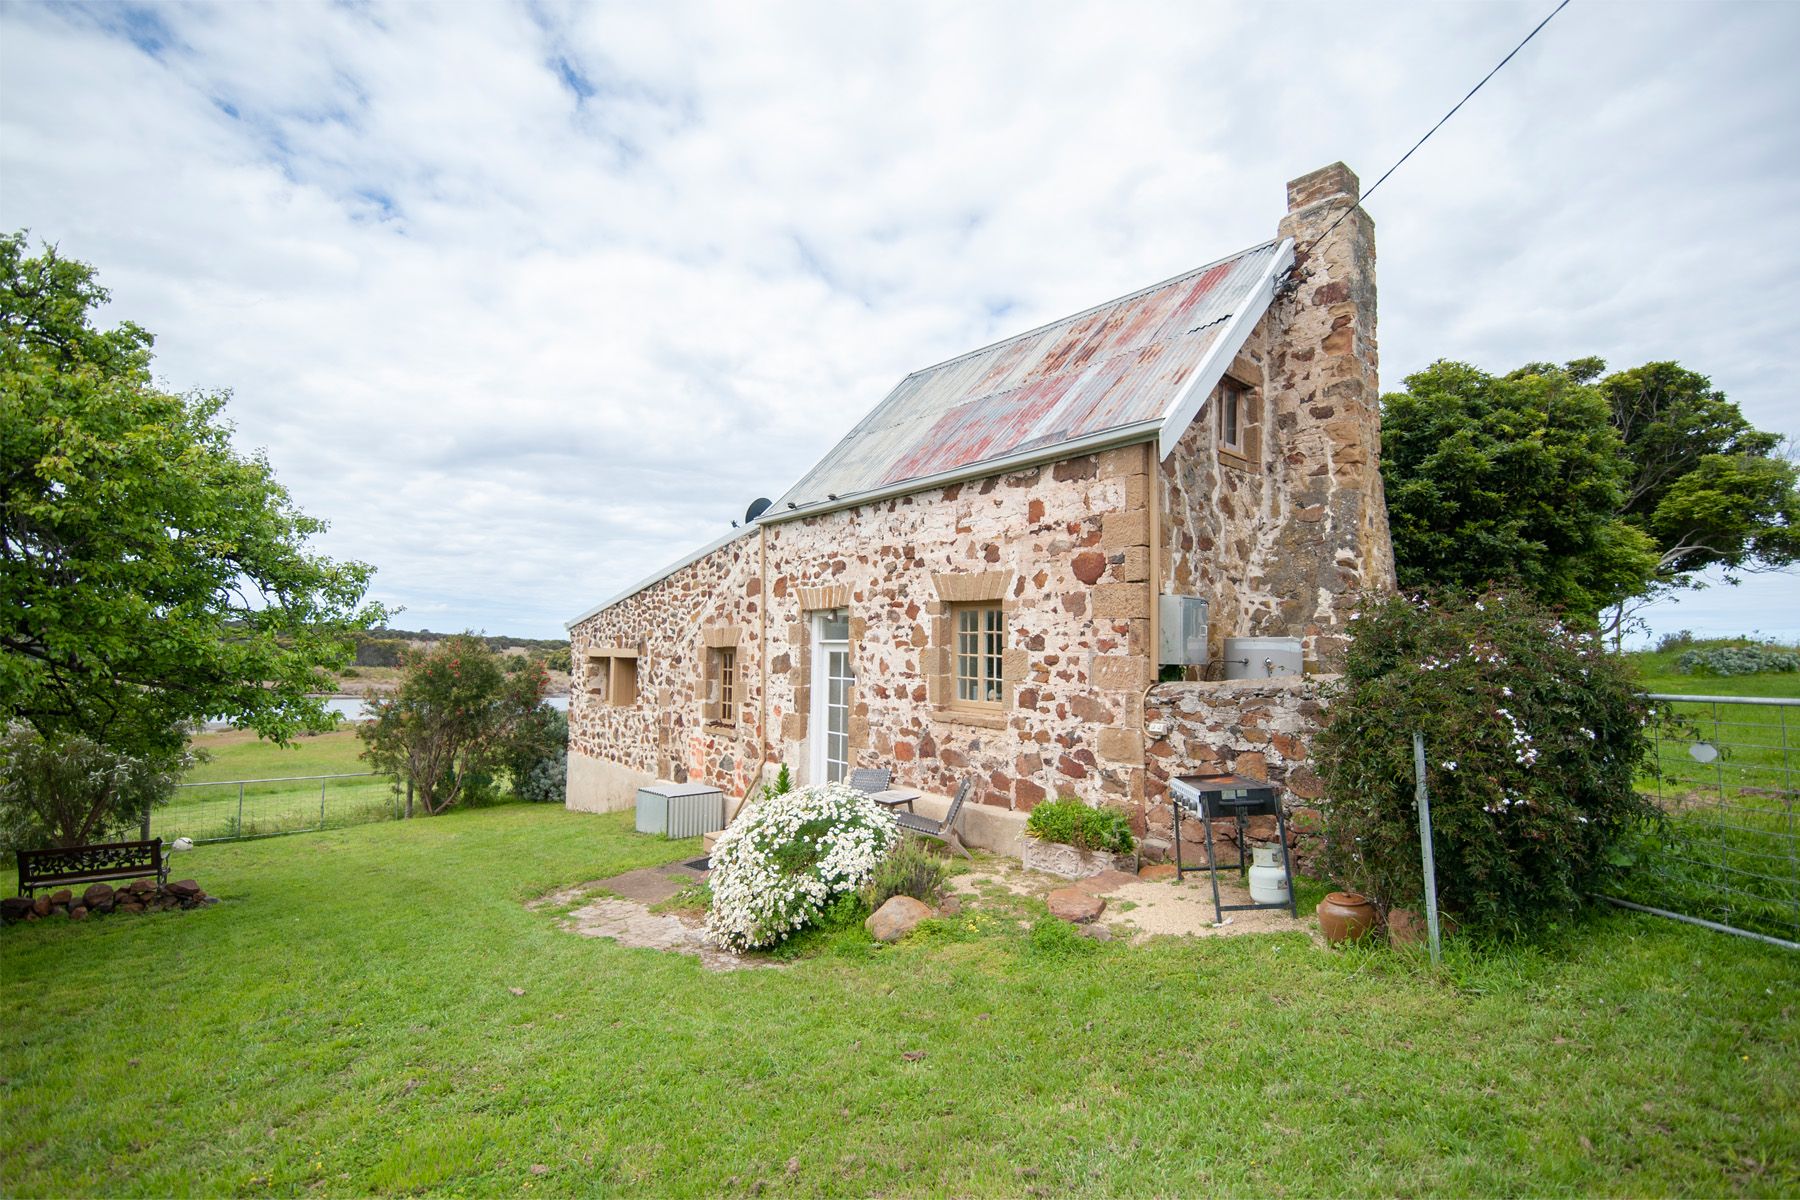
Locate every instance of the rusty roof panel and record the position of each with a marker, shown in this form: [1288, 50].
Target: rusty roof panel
[1116, 366]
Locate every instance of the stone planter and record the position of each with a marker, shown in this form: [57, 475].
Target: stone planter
[1056, 858]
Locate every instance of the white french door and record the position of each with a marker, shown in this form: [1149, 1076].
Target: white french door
[828, 737]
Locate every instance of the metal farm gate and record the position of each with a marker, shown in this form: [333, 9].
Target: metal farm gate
[1729, 856]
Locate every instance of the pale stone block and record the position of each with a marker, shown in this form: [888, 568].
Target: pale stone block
[1120, 673]
[1122, 745]
[1121, 600]
[1122, 530]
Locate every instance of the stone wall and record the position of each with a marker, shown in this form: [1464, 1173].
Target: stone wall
[1281, 539]
[1261, 729]
[670, 732]
[1064, 547]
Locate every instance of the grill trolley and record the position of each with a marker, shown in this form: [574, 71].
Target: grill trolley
[1211, 797]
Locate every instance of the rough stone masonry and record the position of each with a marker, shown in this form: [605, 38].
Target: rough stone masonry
[1281, 532]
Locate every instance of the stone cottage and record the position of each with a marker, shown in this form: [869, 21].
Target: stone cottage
[968, 584]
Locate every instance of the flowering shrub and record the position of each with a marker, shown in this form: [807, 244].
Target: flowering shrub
[786, 857]
[1533, 739]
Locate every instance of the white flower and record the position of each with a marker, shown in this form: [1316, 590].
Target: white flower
[1449, 764]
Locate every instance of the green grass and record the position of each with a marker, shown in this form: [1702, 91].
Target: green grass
[1731, 851]
[275, 807]
[341, 1024]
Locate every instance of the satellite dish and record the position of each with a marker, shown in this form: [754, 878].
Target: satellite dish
[757, 508]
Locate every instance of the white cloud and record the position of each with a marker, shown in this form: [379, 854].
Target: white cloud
[527, 300]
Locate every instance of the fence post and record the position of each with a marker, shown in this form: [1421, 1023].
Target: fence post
[145, 835]
[409, 797]
[240, 824]
[321, 804]
[1423, 802]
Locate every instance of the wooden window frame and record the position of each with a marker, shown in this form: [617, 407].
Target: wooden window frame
[612, 674]
[984, 645]
[1239, 412]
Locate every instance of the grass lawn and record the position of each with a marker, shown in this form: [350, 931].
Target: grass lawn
[1731, 852]
[342, 1024]
[213, 812]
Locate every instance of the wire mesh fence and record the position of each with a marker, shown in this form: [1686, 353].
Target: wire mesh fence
[1725, 779]
[245, 808]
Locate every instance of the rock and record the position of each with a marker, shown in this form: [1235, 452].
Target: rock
[78, 913]
[142, 887]
[951, 906]
[1105, 882]
[895, 919]
[97, 894]
[1157, 872]
[14, 908]
[187, 889]
[1098, 933]
[41, 906]
[1073, 904]
[62, 896]
[131, 906]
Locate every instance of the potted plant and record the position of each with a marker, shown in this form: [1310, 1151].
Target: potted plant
[1074, 839]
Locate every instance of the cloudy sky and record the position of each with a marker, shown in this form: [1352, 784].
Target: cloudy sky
[528, 300]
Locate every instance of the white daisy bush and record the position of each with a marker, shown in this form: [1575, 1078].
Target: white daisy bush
[1534, 737]
[787, 857]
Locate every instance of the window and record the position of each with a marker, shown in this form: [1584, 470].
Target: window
[612, 676]
[724, 670]
[980, 651]
[1232, 415]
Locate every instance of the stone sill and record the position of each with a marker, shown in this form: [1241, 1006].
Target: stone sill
[727, 727]
[968, 716]
[1229, 687]
[1231, 458]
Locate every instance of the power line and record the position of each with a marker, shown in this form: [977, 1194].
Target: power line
[1310, 246]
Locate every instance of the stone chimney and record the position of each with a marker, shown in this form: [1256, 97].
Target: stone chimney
[1332, 542]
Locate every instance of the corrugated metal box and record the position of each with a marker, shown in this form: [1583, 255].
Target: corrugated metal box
[680, 810]
[1181, 630]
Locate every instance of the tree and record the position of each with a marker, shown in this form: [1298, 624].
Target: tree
[1518, 477]
[452, 718]
[69, 790]
[150, 574]
[1708, 488]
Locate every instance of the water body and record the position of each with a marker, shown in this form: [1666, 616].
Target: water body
[355, 708]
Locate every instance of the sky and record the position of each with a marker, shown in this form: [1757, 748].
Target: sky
[529, 300]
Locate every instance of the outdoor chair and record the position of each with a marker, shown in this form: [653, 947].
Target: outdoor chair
[869, 780]
[944, 830]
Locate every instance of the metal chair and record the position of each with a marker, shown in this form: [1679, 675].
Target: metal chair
[944, 830]
[869, 780]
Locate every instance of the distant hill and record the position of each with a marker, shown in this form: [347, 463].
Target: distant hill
[382, 647]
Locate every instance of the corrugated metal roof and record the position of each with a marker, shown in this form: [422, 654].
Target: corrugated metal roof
[1112, 369]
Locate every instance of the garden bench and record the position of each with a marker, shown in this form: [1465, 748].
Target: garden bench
[92, 864]
[944, 830]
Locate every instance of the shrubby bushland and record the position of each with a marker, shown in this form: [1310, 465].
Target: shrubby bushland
[1738, 660]
[1073, 822]
[69, 790]
[788, 857]
[1533, 739]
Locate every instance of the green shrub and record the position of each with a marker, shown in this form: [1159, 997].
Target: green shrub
[1738, 660]
[911, 869]
[1533, 737]
[536, 756]
[1073, 822]
[69, 790]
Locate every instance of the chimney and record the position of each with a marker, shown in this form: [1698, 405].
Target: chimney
[1333, 541]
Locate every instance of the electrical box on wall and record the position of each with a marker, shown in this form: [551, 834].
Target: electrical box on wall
[1181, 630]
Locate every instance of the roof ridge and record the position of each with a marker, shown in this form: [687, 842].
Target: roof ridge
[1089, 311]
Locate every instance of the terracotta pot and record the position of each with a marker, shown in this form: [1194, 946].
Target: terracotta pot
[1408, 928]
[1346, 916]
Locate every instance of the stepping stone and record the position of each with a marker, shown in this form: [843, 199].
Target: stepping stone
[1074, 905]
[1157, 872]
[1105, 882]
